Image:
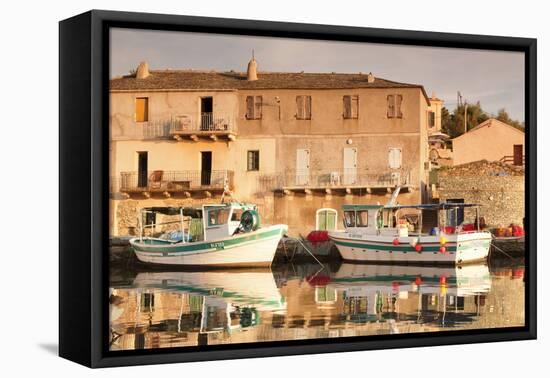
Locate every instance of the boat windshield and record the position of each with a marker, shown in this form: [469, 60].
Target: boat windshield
[349, 218]
[217, 216]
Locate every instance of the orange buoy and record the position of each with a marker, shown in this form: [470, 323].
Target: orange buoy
[442, 280]
[418, 248]
[395, 241]
[442, 249]
[418, 280]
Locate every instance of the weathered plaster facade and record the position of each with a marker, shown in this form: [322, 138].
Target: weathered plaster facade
[278, 136]
[492, 140]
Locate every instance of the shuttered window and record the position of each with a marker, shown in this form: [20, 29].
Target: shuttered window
[394, 106]
[253, 107]
[394, 158]
[351, 107]
[142, 109]
[303, 107]
[431, 119]
[253, 163]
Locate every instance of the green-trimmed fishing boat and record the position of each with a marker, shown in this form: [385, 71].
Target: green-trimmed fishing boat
[394, 233]
[227, 234]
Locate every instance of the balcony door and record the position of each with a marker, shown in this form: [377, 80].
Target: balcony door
[207, 109]
[206, 168]
[350, 166]
[302, 166]
[142, 169]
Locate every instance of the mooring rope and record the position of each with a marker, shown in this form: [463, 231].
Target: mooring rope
[306, 248]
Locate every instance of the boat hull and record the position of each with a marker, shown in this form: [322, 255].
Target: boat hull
[459, 248]
[251, 249]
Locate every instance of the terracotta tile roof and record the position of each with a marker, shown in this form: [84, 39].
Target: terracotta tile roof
[191, 79]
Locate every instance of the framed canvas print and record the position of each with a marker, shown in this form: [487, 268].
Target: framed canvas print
[234, 188]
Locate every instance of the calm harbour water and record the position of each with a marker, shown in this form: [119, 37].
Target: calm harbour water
[156, 309]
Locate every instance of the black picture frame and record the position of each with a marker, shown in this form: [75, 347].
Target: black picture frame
[84, 186]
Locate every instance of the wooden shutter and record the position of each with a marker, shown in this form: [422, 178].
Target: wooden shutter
[398, 102]
[394, 158]
[258, 107]
[300, 107]
[142, 109]
[354, 106]
[347, 107]
[308, 107]
[391, 106]
[249, 107]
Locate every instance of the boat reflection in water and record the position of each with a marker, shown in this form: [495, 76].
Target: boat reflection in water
[405, 293]
[175, 309]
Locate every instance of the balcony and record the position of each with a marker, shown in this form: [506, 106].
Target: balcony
[169, 183]
[210, 126]
[338, 181]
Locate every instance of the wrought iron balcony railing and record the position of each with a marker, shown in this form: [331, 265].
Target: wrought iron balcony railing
[206, 124]
[172, 181]
[338, 178]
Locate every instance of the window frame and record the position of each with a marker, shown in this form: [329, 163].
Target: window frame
[256, 160]
[431, 117]
[256, 108]
[218, 210]
[146, 109]
[353, 99]
[394, 104]
[303, 112]
[390, 150]
[351, 218]
[358, 218]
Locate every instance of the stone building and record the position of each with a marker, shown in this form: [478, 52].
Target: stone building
[498, 187]
[289, 142]
[491, 140]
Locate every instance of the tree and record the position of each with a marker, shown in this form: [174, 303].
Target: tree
[453, 124]
[504, 117]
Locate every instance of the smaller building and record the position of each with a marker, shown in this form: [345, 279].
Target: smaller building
[491, 140]
[439, 153]
[498, 187]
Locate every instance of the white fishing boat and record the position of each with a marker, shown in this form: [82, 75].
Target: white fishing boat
[227, 234]
[253, 288]
[395, 234]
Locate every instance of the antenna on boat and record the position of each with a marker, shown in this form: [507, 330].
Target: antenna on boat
[393, 198]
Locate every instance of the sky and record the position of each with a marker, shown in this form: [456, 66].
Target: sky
[494, 78]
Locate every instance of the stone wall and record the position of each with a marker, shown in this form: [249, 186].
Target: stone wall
[498, 188]
[126, 211]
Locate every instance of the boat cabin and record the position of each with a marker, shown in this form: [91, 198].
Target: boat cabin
[223, 220]
[405, 220]
[191, 224]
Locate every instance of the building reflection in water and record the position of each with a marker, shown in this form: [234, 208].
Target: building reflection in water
[174, 309]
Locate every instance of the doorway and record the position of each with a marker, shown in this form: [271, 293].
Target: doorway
[350, 166]
[206, 167]
[518, 154]
[207, 109]
[142, 169]
[302, 167]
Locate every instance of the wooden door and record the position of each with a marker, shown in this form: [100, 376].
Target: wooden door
[518, 154]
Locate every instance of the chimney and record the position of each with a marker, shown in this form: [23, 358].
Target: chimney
[252, 71]
[142, 71]
[370, 78]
